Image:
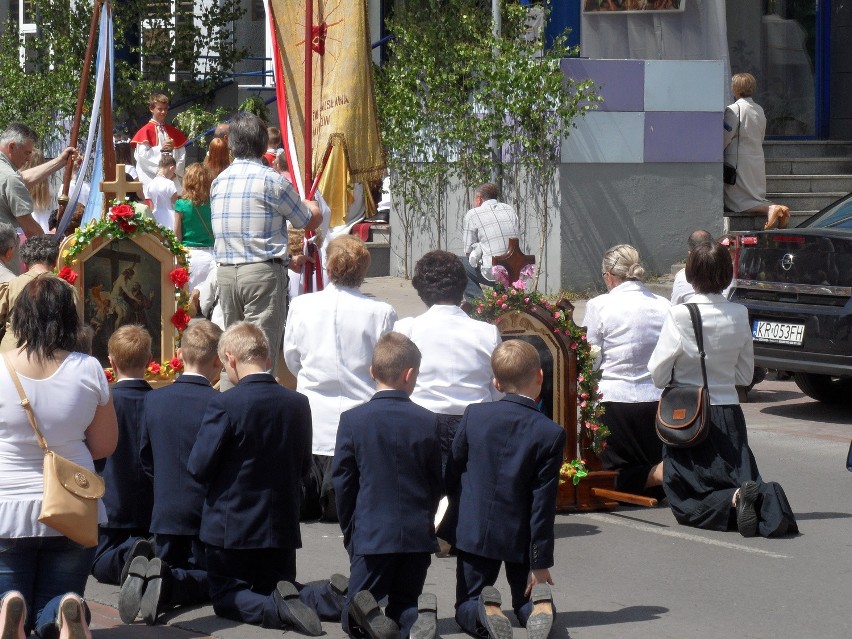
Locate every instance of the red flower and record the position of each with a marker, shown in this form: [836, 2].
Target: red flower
[153, 367]
[175, 363]
[180, 320]
[109, 376]
[126, 227]
[121, 212]
[179, 277]
[68, 274]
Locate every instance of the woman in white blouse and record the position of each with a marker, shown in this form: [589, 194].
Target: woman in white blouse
[625, 323]
[328, 345]
[456, 367]
[43, 573]
[716, 484]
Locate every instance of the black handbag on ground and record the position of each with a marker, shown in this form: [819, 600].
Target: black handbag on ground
[683, 414]
[729, 171]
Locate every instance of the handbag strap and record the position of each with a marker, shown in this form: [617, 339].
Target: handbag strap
[210, 233]
[25, 403]
[695, 314]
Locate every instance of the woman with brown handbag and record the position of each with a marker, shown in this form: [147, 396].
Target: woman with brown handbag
[42, 571]
[716, 484]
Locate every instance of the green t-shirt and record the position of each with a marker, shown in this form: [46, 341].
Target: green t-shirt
[195, 221]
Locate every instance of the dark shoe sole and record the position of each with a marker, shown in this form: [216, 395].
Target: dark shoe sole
[140, 548]
[14, 612]
[497, 626]
[293, 612]
[367, 614]
[72, 619]
[150, 604]
[426, 625]
[339, 584]
[746, 513]
[130, 595]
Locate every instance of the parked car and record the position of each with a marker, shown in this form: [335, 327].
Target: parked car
[797, 285]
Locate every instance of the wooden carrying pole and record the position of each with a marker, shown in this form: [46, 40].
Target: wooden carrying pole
[78, 111]
[309, 90]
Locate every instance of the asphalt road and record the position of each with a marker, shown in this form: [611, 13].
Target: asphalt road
[634, 572]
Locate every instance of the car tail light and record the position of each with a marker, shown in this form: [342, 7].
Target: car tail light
[748, 240]
[789, 239]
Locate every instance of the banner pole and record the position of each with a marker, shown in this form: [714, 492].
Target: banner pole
[309, 88]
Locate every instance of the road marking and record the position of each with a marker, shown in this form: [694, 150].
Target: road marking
[666, 532]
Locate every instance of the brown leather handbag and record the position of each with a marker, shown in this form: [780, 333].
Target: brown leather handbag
[683, 414]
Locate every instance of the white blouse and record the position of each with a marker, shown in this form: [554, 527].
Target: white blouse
[328, 346]
[64, 405]
[456, 367]
[727, 343]
[626, 324]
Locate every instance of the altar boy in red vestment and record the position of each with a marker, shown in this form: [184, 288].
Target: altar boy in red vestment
[157, 138]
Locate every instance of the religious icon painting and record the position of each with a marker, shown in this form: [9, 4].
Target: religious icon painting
[632, 6]
[127, 281]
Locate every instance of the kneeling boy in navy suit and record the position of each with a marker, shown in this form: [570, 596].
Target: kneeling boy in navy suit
[129, 495]
[253, 449]
[387, 482]
[170, 423]
[505, 465]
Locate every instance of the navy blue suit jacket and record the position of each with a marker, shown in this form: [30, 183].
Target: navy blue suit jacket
[505, 462]
[387, 476]
[129, 495]
[253, 449]
[170, 426]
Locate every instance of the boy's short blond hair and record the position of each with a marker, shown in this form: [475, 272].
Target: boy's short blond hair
[515, 364]
[743, 85]
[130, 347]
[157, 98]
[246, 342]
[393, 355]
[166, 160]
[200, 342]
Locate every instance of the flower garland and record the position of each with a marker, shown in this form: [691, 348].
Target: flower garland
[124, 221]
[507, 297]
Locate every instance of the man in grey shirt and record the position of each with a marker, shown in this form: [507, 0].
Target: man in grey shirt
[16, 205]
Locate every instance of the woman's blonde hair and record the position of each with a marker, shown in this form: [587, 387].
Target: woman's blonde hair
[196, 184]
[40, 191]
[348, 261]
[743, 85]
[623, 262]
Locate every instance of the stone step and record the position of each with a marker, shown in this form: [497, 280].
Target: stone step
[809, 183]
[807, 148]
[805, 201]
[808, 166]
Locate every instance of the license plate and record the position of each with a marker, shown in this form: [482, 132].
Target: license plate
[778, 332]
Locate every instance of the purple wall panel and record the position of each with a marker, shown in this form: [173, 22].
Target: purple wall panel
[621, 82]
[683, 136]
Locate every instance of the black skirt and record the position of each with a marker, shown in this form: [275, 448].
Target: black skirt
[700, 482]
[632, 447]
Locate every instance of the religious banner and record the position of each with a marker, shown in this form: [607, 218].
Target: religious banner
[342, 97]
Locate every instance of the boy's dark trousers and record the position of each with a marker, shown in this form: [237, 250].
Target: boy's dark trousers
[185, 557]
[473, 573]
[397, 576]
[242, 581]
[113, 546]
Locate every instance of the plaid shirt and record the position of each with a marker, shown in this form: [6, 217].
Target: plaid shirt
[490, 226]
[250, 205]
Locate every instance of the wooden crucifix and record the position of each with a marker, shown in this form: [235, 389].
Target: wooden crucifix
[120, 186]
[513, 260]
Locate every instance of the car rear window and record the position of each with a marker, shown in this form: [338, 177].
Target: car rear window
[838, 216]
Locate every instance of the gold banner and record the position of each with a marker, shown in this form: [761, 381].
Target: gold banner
[343, 100]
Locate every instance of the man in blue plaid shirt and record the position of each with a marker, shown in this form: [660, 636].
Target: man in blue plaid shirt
[251, 205]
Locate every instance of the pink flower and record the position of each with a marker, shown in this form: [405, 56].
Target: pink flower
[500, 274]
[556, 331]
[583, 337]
[493, 294]
[505, 297]
[479, 309]
[504, 306]
[528, 270]
[556, 315]
[594, 427]
[582, 378]
[573, 346]
[526, 300]
[521, 285]
[582, 404]
[584, 395]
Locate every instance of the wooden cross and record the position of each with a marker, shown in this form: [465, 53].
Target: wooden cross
[513, 260]
[120, 186]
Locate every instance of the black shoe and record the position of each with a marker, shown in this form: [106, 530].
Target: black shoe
[339, 586]
[140, 548]
[369, 617]
[293, 612]
[426, 626]
[746, 513]
[130, 595]
[540, 623]
[496, 624]
[155, 578]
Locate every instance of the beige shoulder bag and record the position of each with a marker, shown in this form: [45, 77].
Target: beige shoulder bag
[70, 501]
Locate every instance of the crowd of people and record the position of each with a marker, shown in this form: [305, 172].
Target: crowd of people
[206, 486]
